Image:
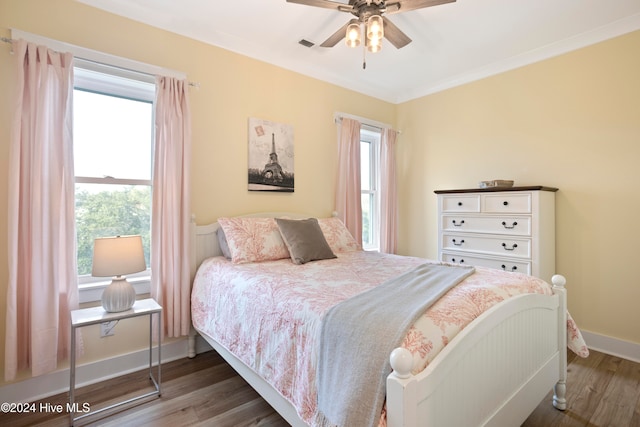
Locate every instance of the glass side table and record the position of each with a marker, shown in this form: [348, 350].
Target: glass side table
[96, 315]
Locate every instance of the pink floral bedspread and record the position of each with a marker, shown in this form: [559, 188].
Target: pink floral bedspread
[268, 314]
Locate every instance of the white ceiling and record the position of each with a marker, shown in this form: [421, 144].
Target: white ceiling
[452, 43]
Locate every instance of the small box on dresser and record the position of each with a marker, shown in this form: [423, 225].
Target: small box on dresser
[511, 229]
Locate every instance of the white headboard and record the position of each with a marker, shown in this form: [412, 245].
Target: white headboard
[204, 240]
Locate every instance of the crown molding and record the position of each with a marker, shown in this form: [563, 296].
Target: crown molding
[606, 32]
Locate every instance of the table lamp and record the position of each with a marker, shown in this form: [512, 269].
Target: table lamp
[115, 257]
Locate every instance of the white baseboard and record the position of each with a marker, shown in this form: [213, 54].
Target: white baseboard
[37, 388]
[613, 346]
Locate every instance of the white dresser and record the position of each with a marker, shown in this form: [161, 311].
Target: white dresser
[511, 229]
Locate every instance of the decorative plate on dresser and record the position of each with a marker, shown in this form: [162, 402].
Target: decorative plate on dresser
[510, 228]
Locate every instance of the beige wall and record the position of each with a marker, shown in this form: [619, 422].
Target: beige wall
[232, 89]
[571, 122]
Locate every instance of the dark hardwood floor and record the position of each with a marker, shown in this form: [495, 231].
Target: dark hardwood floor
[602, 390]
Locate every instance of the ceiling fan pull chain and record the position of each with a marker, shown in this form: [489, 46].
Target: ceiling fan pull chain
[364, 55]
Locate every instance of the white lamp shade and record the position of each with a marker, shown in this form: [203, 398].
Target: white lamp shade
[117, 256]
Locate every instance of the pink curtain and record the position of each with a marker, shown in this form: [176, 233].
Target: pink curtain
[42, 286]
[388, 192]
[348, 191]
[170, 284]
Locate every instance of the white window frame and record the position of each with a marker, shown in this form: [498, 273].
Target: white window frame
[372, 135]
[114, 81]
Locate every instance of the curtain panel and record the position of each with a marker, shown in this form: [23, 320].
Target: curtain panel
[348, 192]
[42, 286]
[170, 276]
[388, 192]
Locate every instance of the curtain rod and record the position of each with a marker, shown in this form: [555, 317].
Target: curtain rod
[192, 84]
[130, 70]
[364, 121]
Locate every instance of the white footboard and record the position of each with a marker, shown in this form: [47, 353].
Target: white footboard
[495, 372]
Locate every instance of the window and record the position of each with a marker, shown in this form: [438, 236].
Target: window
[113, 122]
[369, 167]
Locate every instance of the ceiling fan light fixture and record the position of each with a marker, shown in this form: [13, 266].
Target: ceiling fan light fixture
[370, 26]
[374, 45]
[353, 34]
[375, 27]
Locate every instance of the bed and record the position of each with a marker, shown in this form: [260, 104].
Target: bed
[497, 368]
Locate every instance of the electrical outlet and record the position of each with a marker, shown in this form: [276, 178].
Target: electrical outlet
[107, 328]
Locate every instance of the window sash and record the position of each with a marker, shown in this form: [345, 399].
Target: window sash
[112, 81]
[371, 137]
[124, 99]
[111, 180]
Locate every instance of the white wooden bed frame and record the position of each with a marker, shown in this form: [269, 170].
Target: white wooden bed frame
[495, 372]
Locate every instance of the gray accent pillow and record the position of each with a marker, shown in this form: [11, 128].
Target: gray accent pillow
[222, 242]
[304, 239]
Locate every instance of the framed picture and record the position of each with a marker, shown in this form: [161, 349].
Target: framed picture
[270, 156]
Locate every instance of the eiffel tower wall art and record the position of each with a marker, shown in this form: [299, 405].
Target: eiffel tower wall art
[270, 156]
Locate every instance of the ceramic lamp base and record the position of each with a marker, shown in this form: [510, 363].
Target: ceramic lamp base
[118, 296]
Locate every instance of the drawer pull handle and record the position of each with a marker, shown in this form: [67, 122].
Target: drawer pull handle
[505, 203]
[504, 224]
[454, 260]
[458, 244]
[514, 268]
[459, 203]
[504, 245]
[458, 224]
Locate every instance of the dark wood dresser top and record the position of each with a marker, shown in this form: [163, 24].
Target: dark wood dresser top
[494, 189]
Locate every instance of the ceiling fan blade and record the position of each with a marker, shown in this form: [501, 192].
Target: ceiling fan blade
[336, 37]
[407, 5]
[395, 36]
[326, 4]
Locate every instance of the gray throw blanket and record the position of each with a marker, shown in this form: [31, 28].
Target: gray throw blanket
[358, 335]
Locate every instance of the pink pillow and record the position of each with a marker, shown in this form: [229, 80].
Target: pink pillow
[337, 235]
[253, 239]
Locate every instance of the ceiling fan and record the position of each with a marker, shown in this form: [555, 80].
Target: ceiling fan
[369, 13]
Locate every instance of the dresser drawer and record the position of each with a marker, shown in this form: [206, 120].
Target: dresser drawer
[498, 264]
[506, 203]
[492, 245]
[512, 225]
[461, 203]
